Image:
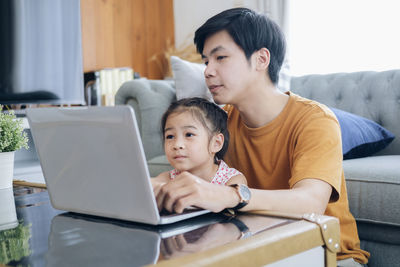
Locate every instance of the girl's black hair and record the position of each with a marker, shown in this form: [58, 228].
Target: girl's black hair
[213, 118]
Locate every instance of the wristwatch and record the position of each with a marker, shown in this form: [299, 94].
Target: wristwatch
[244, 195]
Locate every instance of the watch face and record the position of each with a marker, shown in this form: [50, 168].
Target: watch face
[244, 191]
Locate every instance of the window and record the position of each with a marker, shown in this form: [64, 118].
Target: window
[343, 36]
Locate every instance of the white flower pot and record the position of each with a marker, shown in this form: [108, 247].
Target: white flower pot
[8, 214]
[6, 169]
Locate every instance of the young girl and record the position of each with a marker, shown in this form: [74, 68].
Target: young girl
[195, 140]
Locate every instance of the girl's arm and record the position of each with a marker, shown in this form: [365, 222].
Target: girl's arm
[237, 179]
[161, 178]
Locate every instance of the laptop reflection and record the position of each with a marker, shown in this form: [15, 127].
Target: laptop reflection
[84, 240]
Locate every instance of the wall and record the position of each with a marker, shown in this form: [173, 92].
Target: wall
[191, 14]
[126, 33]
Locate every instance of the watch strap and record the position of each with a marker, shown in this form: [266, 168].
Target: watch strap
[244, 230]
[239, 206]
[241, 203]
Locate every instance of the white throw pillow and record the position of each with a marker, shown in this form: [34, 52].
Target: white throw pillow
[189, 79]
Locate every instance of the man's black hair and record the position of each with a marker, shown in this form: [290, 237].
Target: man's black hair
[213, 118]
[251, 31]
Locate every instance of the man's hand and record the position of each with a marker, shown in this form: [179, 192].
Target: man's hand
[188, 190]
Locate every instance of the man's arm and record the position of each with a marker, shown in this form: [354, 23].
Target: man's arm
[307, 195]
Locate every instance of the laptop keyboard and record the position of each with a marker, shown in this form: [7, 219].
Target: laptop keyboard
[185, 211]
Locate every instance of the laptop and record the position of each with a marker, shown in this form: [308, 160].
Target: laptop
[93, 163]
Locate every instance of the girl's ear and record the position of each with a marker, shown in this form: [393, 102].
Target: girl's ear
[217, 142]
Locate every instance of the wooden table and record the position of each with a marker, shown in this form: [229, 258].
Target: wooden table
[282, 240]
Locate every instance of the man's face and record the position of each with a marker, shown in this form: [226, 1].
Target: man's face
[228, 73]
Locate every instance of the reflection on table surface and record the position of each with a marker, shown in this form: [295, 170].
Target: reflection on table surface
[48, 237]
[8, 215]
[226, 230]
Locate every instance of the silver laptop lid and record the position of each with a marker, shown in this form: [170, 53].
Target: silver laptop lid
[93, 161]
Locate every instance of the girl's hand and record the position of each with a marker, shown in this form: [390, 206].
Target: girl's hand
[188, 190]
[158, 182]
[156, 188]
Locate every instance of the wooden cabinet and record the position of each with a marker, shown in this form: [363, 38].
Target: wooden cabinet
[127, 33]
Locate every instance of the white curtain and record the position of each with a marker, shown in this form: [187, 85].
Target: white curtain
[278, 10]
[48, 50]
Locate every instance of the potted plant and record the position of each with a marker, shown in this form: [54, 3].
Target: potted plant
[14, 243]
[12, 138]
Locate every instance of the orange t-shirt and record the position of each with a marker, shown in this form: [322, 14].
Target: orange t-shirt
[303, 141]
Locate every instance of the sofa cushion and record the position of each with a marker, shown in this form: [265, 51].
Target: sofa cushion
[372, 95]
[382, 253]
[189, 79]
[361, 137]
[150, 99]
[374, 184]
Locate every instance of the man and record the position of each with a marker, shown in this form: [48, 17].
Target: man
[288, 147]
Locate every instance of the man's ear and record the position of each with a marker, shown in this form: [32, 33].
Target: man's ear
[262, 59]
[217, 142]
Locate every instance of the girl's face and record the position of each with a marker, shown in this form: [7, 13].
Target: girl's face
[187, 144]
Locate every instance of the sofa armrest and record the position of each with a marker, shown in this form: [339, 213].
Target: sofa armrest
[149, 99]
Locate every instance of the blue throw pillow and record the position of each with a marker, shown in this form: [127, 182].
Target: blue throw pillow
[361, 137]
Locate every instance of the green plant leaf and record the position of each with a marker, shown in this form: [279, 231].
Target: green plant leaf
[12, 135]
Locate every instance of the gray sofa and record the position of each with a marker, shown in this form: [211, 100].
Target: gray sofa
[373, 182]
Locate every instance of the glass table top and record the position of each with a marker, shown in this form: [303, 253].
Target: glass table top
[32, 233]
